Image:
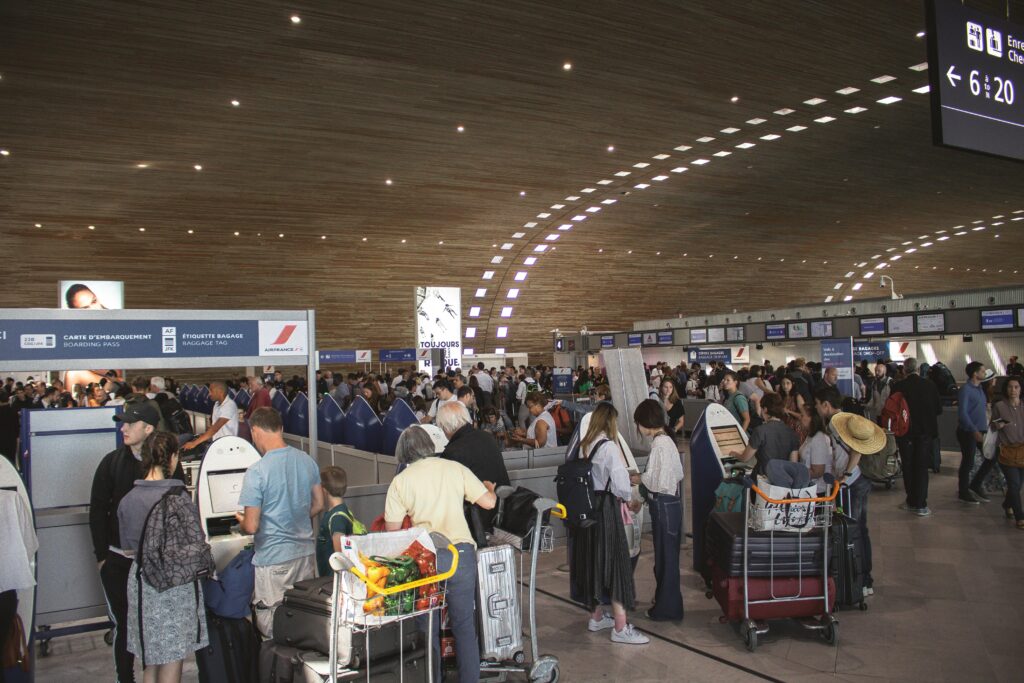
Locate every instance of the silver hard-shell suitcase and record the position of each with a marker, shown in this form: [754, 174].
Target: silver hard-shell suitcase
[501, 624]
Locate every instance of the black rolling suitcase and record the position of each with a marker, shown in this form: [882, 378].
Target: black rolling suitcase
[410, 668]
[233, 653]
[847, 562]
[303, 618]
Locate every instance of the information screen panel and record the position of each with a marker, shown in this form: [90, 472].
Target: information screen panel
[872, 326]
[976, 74]
[901, 324]
[997, 319]
[775, 331]
[798, 330]
[634, 339]
[1020, 317]
[931, 322]
[607, 341]
[667, 338]
[734, 334]
[699, 336]
[821, 329]
[716, 335]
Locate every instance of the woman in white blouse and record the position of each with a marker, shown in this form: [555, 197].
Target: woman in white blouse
[661, 479]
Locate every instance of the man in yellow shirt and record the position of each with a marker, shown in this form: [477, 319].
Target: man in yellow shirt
[431, 491]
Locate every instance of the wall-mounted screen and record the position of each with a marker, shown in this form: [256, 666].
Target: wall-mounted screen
[607, 341]
[798, 330]
[931, 322]
[699, 336]
[1020, 317]
[650, 338]
[901, 324]
[775, 331]
[90, 294]
[872, 326]
[821, 329]
[734, 334]
[716, 335]
[635, 339]
[666, 338]
[997, 319]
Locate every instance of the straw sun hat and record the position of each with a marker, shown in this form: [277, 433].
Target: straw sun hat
[858, 433]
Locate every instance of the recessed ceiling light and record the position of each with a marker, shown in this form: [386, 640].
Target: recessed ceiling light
[658, 178]
[604, 182]
[522, 193]
[461, 129]
[611, 148]
[474, 311]
[622, 174]
[682, 148]
[198, 167]
[796, 129]
[630, 251]
[364, 239]
[848, 297]
[923, 90]
[572, 198]
[883, 79]
[892, 99]
[482, 292]
[600, 251]
[679, 169]
[745, 145]
[855, 110]
[815, 101]
[825, 119]
[496, 260]
[236, 232]
[641, 186]
[296, 19]
[440, 242]
[723, 153]
[706, 138]
[756, 122]
[579, 217]
[506, 311]
[730, 130]
[567, 66]
[558, 207]
[141, 165]
[919, 67]
[700, 162]
[93, 227]
[595, 209]
[512, 293]
[609, 201]
[529, 260]
[387, 181]
[531, 224]
[734, 99]
[657, 253]
[470, 332]
[543, 215]
[588, 190]
[642, 164]
[785, 111]
[323, 237]
[520, 276]
[661, 157]
[235, 103]
[770, 137]
[5, 153]
[920, 34]
[502, 332]
[142, 230]
[550, 238]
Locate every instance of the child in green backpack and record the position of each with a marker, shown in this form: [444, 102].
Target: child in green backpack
[337, 521]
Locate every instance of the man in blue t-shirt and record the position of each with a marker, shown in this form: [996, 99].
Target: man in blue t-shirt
[280, 494]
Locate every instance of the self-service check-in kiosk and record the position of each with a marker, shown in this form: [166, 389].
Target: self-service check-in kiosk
[10, 480]
[716, 434]
[217, 491]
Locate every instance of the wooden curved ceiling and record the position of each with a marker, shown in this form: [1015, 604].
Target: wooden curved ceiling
[359, 93]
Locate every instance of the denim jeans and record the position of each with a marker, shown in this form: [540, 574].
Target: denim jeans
[1014, 478]
[916, 454]
[859, 492]
[667, 522]
[461, 600]
[968, 448]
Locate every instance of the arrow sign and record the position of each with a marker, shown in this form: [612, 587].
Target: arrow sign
[953, 76]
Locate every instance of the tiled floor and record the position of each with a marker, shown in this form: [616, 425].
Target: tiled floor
[948, 606]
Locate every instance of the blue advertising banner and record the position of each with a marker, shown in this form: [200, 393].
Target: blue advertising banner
[562, 380]
[397, 355]
[870, 351]
[838, 354]
[708, 355]
[635, 339]
[607, 341]
[338, 356]
[667, 337]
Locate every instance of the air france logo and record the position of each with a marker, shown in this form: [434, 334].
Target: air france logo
[283, 338]
[286, 334]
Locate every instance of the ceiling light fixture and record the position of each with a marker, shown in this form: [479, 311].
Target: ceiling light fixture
[5, 153]
[198, 167]
[522, 193]
[611, 148]
[141, 165]
[567, 66]
[734, 99]
[892, 99]
[388, 181]
[142, 230]
[461, 129]
[235, 103]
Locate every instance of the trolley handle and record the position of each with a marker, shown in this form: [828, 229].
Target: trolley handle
[559, 511]
[346, 564]
[791, 501]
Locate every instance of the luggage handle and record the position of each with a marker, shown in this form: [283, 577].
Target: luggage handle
[341, 563]
[559, 511]
[496, 605]
[791, 501]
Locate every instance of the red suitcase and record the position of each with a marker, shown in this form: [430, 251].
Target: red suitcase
[728, 590]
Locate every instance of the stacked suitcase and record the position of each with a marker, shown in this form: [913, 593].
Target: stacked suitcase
[780, 565]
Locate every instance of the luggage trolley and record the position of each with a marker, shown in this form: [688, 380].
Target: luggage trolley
[539, 539]
[804, 596]
[340, 563]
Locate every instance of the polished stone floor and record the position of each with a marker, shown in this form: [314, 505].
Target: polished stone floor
[948, 606]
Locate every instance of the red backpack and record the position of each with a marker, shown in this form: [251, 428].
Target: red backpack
[895, 415]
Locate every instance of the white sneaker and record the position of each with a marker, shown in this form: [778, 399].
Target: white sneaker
[629, 636]
[868, 590]
[606, 622]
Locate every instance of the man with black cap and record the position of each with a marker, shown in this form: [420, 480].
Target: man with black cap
[115, 476]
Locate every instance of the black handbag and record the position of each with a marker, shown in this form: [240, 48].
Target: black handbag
[516, 513]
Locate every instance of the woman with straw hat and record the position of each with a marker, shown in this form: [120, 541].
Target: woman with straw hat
[852, 437]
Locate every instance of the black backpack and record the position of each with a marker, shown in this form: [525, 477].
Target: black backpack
[174, 414]
[575, 489]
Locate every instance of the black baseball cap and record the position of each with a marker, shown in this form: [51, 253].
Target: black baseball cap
[134, 412]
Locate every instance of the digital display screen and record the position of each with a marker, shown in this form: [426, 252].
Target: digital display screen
[666, 338]
[774, 331]
[728, 439]
[607, 341]
[872, 326]
[90, 294]
[635, 339]
[901, 324]
[976, 77]
[798, 330]
[931, 322]
[699, 336]
[225, 488]
[1020, 317]
[734, 334]
[998, 319]
[716, 335]
[821, 328]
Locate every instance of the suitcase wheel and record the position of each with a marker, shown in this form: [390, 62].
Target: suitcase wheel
[830, 629]
[748, 629]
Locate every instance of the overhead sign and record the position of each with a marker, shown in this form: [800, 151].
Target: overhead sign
[838, 354]
[931, 322]
[95, 337]
[607, 341]
[561, 379]
[710, 355]
[999, 319]
[345, 356]
[635, 339]
[775, 331]
[666, 338]
[439, 321]
[872, 326]
[650, 338]
[870, 351]
[975, 69]
[397, 355]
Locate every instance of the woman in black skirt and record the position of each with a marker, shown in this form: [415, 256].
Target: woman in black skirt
[600, 554]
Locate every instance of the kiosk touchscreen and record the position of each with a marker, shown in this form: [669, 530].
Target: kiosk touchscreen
[217, 492]
[716, 434]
